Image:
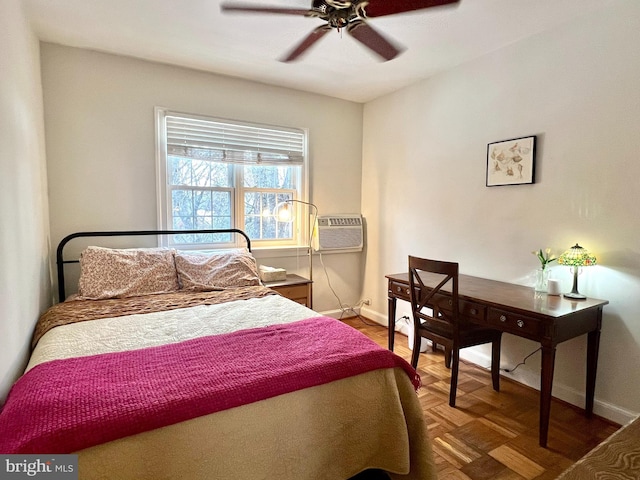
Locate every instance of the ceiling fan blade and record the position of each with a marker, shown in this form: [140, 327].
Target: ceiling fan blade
[310, 39]
[369, 37]
[239, 7]
[380, 8]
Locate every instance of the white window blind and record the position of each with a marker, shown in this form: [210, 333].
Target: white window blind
[220, 173]
[238, 143]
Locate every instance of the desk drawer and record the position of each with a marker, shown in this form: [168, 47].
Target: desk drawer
[399, 290]
[514, 323]
[473, 312]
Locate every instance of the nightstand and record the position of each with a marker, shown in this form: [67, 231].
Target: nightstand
[294, 288]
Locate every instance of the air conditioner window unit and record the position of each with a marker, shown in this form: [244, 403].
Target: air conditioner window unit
[338, 232]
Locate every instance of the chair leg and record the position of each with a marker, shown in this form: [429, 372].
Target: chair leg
[447, 357]
[495, 363]
[417, 340]
[455, 364]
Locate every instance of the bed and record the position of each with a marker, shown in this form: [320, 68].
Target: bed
[170, 364]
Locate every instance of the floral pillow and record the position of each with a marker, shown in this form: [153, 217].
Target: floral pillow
[204, 272]
[119, 273]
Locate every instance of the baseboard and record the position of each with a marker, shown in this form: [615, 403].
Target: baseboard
[572, 396]
[375, 316]
[606, 410]
[332, 313]
[339, 314]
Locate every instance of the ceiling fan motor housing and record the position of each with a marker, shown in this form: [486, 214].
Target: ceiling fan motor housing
[339, 4]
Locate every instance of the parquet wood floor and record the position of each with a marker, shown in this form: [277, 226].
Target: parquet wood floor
[493, 435]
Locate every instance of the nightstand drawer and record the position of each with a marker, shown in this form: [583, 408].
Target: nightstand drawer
[294, 287]
[295, 292]
[514, 323]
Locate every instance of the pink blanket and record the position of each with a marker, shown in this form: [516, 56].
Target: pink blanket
[64, 406]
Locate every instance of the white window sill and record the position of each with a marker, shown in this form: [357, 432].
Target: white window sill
[293, 251]
[271, 252]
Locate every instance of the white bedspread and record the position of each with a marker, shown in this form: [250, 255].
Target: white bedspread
[152, 329]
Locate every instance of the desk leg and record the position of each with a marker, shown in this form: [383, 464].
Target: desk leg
[548, 361]
[593, 345]
[392, 321]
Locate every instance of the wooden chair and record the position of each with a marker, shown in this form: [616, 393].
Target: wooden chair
[435, 306]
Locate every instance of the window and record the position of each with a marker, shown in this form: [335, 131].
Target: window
[216, 173]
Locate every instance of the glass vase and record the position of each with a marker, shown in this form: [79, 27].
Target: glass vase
[542, 280]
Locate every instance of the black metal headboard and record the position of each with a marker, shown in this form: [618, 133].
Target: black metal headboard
[60, 261]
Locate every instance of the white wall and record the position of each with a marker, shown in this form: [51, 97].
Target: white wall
[24, 272]
[101, 147]
[424, 164]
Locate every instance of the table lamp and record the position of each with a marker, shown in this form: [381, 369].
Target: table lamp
[576, 257]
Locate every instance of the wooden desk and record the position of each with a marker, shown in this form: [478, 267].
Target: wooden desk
[521, 311]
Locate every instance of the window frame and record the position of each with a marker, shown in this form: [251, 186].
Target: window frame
[301, 223]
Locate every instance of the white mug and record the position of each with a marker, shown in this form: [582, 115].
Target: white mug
[553, 287]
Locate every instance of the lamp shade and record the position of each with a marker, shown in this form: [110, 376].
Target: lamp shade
[577, 256]
[284, 212]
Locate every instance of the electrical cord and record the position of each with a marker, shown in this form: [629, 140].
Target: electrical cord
[507, 370]
[405, 319]
[511, 370]
[343, 307]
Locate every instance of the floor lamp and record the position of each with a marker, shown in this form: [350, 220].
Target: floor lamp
[284, 213]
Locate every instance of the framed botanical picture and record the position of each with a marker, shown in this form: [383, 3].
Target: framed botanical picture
[511, 162]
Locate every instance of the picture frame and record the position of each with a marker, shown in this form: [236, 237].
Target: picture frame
[511, 162]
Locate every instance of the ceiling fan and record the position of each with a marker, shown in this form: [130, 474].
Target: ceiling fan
[348, 14]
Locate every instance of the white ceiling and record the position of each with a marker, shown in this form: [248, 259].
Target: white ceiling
[194, 33]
